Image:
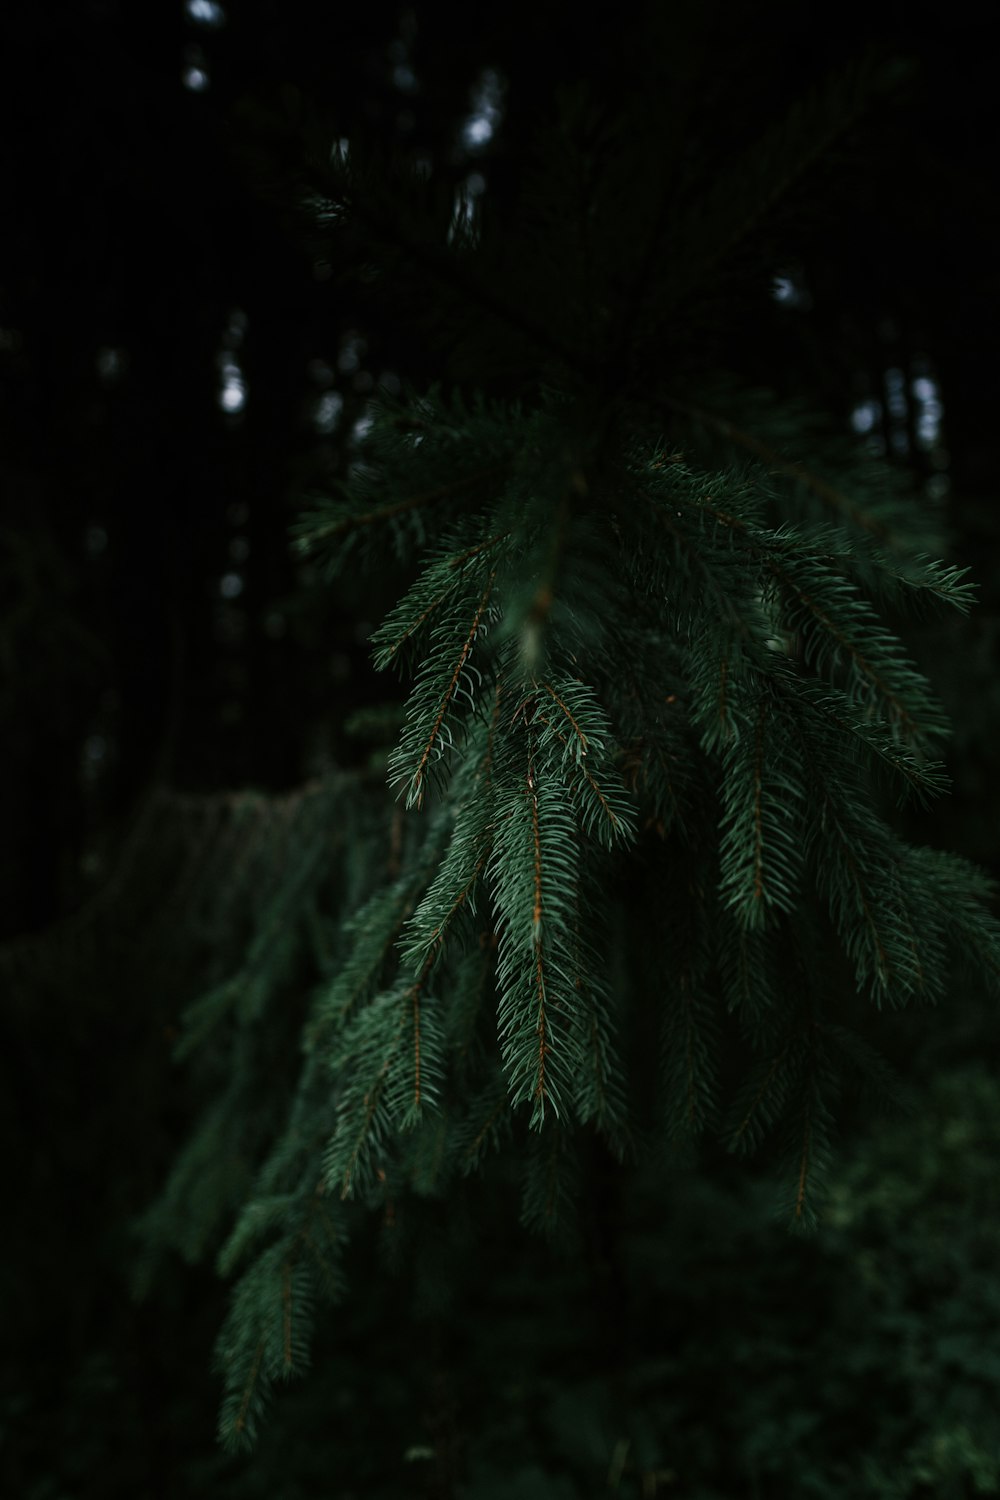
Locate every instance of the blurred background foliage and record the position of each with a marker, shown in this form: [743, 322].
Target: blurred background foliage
[178, 366]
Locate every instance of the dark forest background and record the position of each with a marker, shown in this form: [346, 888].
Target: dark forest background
[179, 365]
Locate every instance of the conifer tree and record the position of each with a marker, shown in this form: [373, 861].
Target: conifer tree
[645, 877]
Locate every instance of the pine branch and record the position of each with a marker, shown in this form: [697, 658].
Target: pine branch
[580, 728]
[410, 619]
[651, 697]
[763, 792]
[443, 678]
[837, 500]
[532, 871]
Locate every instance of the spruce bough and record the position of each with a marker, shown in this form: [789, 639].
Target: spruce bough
[655, 718]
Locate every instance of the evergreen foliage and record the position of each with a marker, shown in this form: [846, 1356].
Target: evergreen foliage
[647, 870]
